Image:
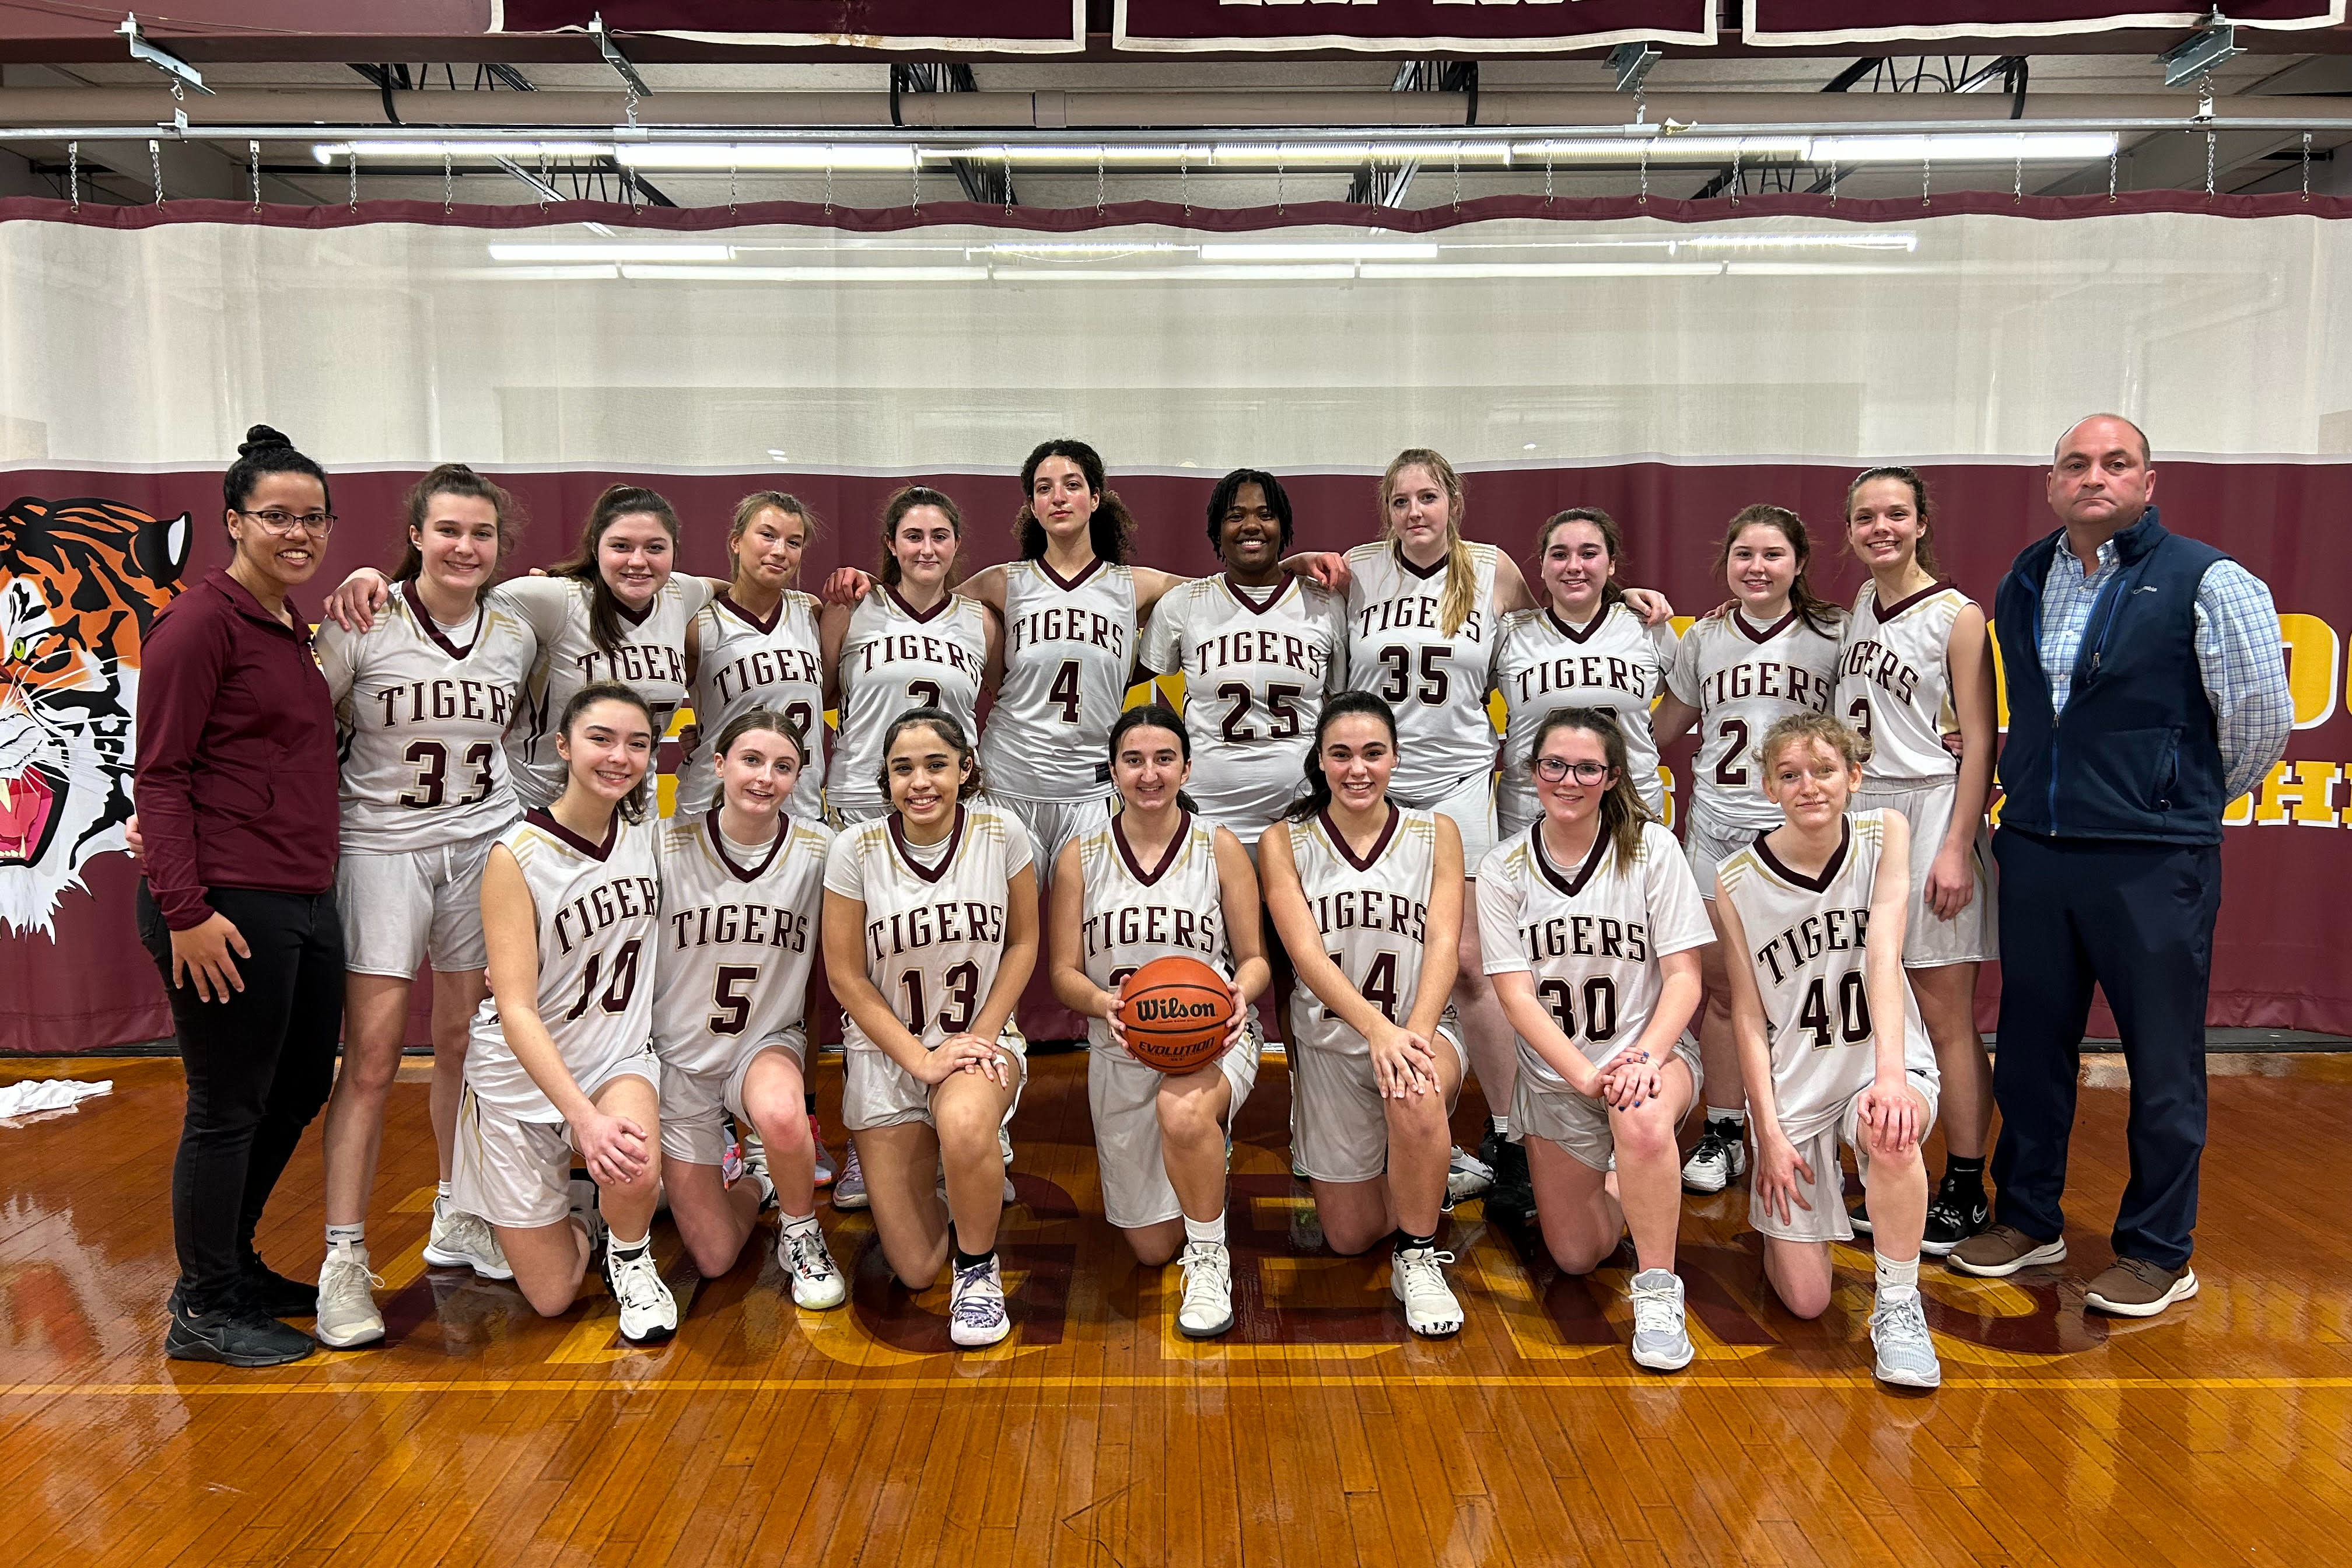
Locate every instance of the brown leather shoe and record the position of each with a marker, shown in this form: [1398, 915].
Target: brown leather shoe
[1998, 1253]
[2135, 1288]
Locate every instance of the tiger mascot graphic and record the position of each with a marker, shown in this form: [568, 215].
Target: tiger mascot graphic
[81, 581]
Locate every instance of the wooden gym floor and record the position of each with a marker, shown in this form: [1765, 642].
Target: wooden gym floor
[1319, 1433]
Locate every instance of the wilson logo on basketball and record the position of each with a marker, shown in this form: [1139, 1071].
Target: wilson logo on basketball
[1169, 1010]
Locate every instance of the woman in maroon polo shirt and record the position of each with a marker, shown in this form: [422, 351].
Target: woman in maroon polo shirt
[236, 797]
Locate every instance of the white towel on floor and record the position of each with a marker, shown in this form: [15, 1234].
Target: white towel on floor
[49, 1094]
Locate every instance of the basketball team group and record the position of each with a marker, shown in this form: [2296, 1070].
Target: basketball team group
[457, 770]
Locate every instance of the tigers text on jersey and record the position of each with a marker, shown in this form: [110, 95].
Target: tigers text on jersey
[1612, 661]
[738, 940]
[742, 664]
[598, 912]
[1894, 683]
[894, 657]
[650, 659]
[1373, 914]
[1398, 650]
[1134, 915]
[933, 933]
[1591, 935]
[1806, 943]
[1743, 679]
[1257, 664]
[422, 721]
[1069, 649]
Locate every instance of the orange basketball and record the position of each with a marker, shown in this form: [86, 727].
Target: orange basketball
[1175, 1011]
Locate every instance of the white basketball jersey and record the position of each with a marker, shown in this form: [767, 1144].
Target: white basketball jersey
[1894, 683]
[1806, 943]
[1135, 913]
[1612, 661]
[1591, 935]
[1743, 679]
[934, 932]
[738, 940]
[599, 918]
[1437, 684]
[422, 710]
[650, 659]
[1069, 650]
[1373, 914]
[1256, 663]
[894, 657]
[742, 664]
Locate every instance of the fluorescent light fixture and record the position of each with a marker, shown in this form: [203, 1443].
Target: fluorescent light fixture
[1336, 273]
[1496, 269]
[2028, 146]
[1077, 249]
[1273, 155]
[1358, 250]
[610, 252]
[539, 274]
[433, 151]
[842, 158]
[1087, 153]
[1898, 239]
[1659, 149]
[809, 273]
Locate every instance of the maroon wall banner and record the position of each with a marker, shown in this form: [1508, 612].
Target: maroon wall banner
[1793, 22]
[76, 574]
[1002, 27]
[1407, 26]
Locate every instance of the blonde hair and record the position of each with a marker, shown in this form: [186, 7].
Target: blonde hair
[1850, 746]
[1455, 606]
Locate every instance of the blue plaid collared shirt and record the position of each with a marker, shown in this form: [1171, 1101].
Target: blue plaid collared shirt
[2238, 655]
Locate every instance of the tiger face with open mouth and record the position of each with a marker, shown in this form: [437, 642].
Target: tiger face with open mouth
[81, 581]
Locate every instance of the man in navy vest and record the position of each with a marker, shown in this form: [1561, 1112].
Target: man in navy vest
[2146, 691]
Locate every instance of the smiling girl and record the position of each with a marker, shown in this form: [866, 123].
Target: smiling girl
[756, 645]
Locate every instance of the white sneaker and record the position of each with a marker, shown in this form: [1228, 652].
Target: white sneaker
[464, 1241]
[649, 1312]
[976, 1314]
[1661, 1341]
[585, 1209]
[347, 1310]
[1208, 1306]
[1905, 1350]
[824, 1167]
[1467, 1177]
[1717, 1159]
[1004, 1147]
[815, 1277]
[1418, 1279]
[849, 1187]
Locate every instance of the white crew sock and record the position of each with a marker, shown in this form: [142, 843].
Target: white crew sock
[615, 1247]
[441, 1193]
[798, 1224]
[1895, 1279]
[1502, 1126]
[1737, 1118]
[1212, 1231]
[347, 1235]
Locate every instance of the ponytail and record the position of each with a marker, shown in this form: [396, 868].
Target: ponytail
[1455, 606]
[1318, 798]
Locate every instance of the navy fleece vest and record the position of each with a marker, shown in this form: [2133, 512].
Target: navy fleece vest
[2135, 754]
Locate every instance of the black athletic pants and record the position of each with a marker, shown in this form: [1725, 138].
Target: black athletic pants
[2137, 917]
[259, 1067]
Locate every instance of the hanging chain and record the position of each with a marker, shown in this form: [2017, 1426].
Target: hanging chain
[1926, 175]
[636, 193]
[1008, 182]
[448, 184]
[2209, 139]
[1735, 175]
[2017, 182]
[73, 172]
[630, 108]
[731, 188]
[1278, 191]
[352, 158]
[1645, 173]
[1547, 174]
[829, 187]
[2306, 165]
[1833, 182]
[253, 152]
[2115, 158]
[546, 175]
[155, 161]
[1184, 175]
[1098, 181]
[915, 183]
[1457, 176]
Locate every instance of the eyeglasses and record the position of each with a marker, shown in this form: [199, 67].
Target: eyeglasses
[282, 524]
[1551, 770]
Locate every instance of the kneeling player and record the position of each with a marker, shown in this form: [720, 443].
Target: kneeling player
[562, 1055]
[1592, 925]
[1158, 880]
[743, 885]
[1830, 1043]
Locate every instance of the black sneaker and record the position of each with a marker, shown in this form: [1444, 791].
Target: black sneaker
[1955, 1212]
[1513, 1196]
[235, 1336]
[272, 1294]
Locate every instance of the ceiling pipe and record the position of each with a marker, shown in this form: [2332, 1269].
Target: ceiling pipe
[297, 111]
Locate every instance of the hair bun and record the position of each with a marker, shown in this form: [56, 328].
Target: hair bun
[262, 439]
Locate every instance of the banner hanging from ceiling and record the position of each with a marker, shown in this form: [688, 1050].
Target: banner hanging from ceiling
[1785, 23]
[1406, 26]
[1001, 27]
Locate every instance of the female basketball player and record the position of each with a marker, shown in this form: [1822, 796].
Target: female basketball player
[1917, 661]
[756, 645]
[1592, 931]
[740, 898]
[1829, 1038]
[562, 1058]
[422, 703]
[613, 612]
[1158, 880]
[1585, 648]
[1770, 652]
[1366, 896]
[931, 931]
